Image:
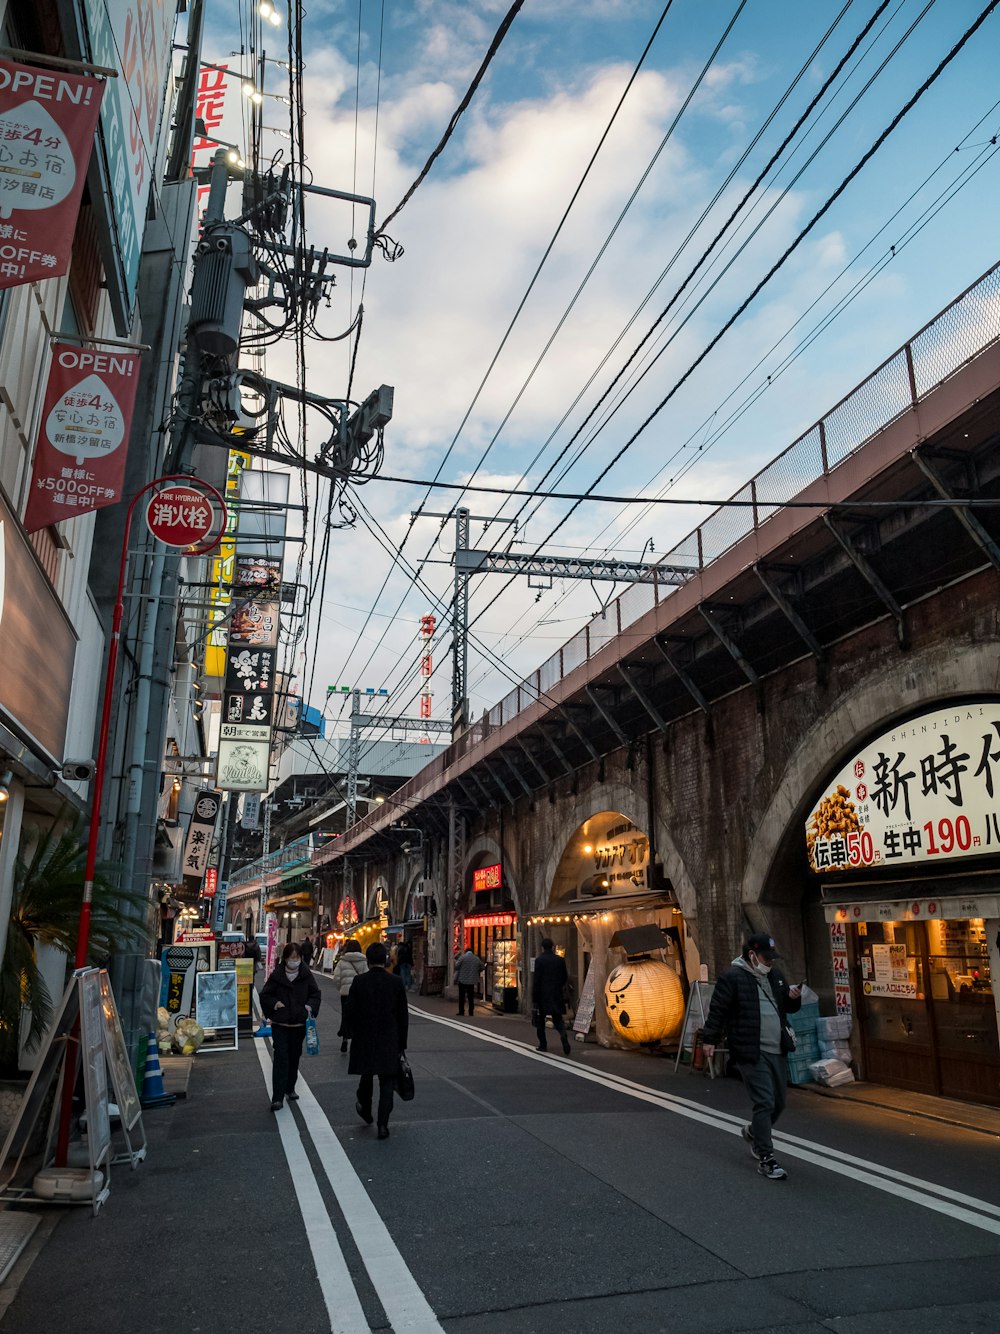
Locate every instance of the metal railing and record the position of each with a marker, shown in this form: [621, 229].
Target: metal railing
[955, 337]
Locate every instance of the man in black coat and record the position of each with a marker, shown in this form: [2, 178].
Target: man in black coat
[380, 1020]
[751, 1003]
[548, 994]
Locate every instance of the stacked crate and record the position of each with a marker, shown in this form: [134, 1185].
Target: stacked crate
[806, 1051]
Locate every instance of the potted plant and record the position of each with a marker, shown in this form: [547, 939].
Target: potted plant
[47, 892]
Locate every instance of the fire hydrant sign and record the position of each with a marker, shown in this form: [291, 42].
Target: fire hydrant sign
[180, 516]
[47, 126]
[83, 439]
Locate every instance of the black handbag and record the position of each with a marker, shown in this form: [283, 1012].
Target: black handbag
[404, 1078]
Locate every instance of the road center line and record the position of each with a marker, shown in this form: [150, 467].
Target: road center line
[952, 1203]
[342, 1304]
[405, 1304]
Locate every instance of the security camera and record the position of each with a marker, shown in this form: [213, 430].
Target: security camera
[78, 771]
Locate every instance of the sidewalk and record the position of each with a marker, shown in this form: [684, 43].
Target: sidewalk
[949, 1111]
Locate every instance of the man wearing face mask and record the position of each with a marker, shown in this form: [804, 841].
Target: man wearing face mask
[751, 1004]
[288, 997]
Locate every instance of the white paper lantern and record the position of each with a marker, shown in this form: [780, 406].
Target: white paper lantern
[644, 1000]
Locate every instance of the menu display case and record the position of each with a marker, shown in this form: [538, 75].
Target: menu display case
[503, 960]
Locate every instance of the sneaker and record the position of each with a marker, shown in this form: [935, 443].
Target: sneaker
[767, 1167]
[747, 1134]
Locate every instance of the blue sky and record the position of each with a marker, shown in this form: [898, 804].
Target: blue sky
[478, 226]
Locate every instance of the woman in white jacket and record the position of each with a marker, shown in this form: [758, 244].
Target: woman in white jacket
[351, 964]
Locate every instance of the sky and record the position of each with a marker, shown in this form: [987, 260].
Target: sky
[503, 210]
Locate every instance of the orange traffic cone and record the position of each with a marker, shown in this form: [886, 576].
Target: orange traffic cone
[152, 1084]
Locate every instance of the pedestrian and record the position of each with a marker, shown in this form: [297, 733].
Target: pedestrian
[288, 998]
[307, 951]
[251, 950]
[380, 1020]
[750, 1004]
[351, 964]
[404, 963]
[468, 966]
[548, 994]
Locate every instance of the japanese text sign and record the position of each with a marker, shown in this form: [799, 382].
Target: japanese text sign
[83, 439]
[487, 877]
[201, 831]
[47, 125]
[926, 791]
[184, 516]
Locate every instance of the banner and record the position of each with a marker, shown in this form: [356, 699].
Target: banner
[83, 437]
[200, 833]
[47, 126]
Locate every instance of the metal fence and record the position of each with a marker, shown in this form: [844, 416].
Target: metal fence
[950, 341]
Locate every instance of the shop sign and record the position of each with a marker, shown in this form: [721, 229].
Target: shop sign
[250, 818]
[211, 883]
[487, 877]
[245, 731]
[623, 857]
[243, 765]
[926, 791]
[223, 567]
[83, 439]
[47, 125]
[914, 910]
[906, 990]
[490, 919]
[201, 831]
[39, 644]
[254, 626]
[132, 36]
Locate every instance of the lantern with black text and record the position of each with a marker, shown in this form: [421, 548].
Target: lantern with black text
[643, 996]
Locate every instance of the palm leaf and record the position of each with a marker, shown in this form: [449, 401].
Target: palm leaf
[47, 896]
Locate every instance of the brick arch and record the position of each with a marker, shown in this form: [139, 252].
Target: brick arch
[615, 796]
[925, 679]
[484, 846]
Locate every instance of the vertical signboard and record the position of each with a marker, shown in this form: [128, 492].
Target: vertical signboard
[47, 124]
[201, 831]
[132, 36]
[83, 437]
[222, 567]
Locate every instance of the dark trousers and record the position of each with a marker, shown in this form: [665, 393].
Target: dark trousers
[287, 1048]
[467, 991]
[765, 1082]
[557, 1024]
[386, 1084]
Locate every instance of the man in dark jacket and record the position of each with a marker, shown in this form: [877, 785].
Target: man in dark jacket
[307, 950]
[751, 1004]
[288, 997]
[548, 990]
[380, 1020]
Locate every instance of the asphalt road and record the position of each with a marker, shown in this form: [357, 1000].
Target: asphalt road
[522, 1193]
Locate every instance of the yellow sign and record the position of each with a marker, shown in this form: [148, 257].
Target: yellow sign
[244, 985]
[221, 573]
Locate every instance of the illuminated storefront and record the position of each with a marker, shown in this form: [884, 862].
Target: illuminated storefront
[907, 840]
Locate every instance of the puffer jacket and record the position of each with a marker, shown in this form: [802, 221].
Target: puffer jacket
[294, 997]
[349, 966]
[735, 1010]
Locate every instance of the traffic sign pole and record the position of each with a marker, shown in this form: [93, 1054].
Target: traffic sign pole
[83, 929]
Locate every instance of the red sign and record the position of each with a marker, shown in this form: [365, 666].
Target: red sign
[83, 438]
[211, 883]
[47, 125]
[184, 516]
[487, 877]
[488, 919]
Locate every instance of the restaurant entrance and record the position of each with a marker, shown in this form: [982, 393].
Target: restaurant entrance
[928, 1018]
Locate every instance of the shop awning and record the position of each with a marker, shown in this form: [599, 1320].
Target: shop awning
[412, 924]
[932, 908]
[617, 902]
[289, 903]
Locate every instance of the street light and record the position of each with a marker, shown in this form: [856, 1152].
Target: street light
[234, 157]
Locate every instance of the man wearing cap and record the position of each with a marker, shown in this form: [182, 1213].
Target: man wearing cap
[751, 1004]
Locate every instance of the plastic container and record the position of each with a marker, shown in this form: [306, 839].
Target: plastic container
[67, 1183]
[798, 1069]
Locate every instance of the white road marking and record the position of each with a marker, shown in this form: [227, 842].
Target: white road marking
[342, 1304]
[405, 1304]
[952, 1203]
